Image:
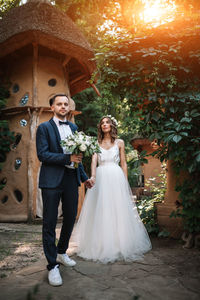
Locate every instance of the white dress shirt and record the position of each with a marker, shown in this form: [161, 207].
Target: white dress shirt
[64, 131]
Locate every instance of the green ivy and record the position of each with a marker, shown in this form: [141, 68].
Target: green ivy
[159, 77]
[147, 212]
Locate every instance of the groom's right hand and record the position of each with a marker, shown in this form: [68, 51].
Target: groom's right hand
[77, 158]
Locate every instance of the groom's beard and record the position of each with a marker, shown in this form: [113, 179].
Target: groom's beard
[61, 115]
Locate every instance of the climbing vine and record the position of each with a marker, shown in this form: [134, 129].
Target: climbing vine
[159, 76]
[155, 74]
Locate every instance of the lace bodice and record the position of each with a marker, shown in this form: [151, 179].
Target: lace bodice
[109, 156]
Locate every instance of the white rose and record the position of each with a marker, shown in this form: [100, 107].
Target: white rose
[87, 143]
[83, 148]
[70, 143]
[81, 136]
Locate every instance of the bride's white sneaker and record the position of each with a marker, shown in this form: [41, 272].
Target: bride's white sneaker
[54, 276]
[65, 260]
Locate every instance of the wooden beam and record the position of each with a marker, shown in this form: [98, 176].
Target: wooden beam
[35, 74]
[95, 89]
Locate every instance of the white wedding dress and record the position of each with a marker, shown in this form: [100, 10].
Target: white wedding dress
[109, 227]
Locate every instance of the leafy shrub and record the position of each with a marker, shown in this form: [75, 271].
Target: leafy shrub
[146, 205]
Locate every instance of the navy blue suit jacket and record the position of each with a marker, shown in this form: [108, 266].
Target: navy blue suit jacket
[50, 153]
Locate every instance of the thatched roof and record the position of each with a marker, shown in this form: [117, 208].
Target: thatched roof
[45, 25]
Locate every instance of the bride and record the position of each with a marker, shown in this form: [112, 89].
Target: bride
[109, 227]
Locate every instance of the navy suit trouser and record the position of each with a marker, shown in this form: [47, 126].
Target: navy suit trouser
[67, 192]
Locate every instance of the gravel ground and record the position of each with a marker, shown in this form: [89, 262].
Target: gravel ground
[167, 272]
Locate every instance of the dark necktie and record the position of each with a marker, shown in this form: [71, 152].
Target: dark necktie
[63, 123]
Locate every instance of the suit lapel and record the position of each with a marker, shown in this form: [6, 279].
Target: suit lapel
[72, 127]
[58, 138]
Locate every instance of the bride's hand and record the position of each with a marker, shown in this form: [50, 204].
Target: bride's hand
[92, 180]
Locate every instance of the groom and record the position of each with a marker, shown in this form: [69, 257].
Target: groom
[58, 180]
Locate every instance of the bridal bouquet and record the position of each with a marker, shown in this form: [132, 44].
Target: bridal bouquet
[80, 142]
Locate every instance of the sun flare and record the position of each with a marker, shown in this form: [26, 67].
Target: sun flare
[158, 12]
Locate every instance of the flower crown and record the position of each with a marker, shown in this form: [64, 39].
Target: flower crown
[112, 119]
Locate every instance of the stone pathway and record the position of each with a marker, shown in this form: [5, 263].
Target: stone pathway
[167, 272]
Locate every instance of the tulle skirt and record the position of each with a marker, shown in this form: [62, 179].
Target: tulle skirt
[109, 227]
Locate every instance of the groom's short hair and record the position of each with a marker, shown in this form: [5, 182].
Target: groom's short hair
[52, 100]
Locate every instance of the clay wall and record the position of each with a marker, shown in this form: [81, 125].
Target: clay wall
[15, 170]
[33, 82]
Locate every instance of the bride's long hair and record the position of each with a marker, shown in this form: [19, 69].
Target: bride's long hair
[113, 131]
